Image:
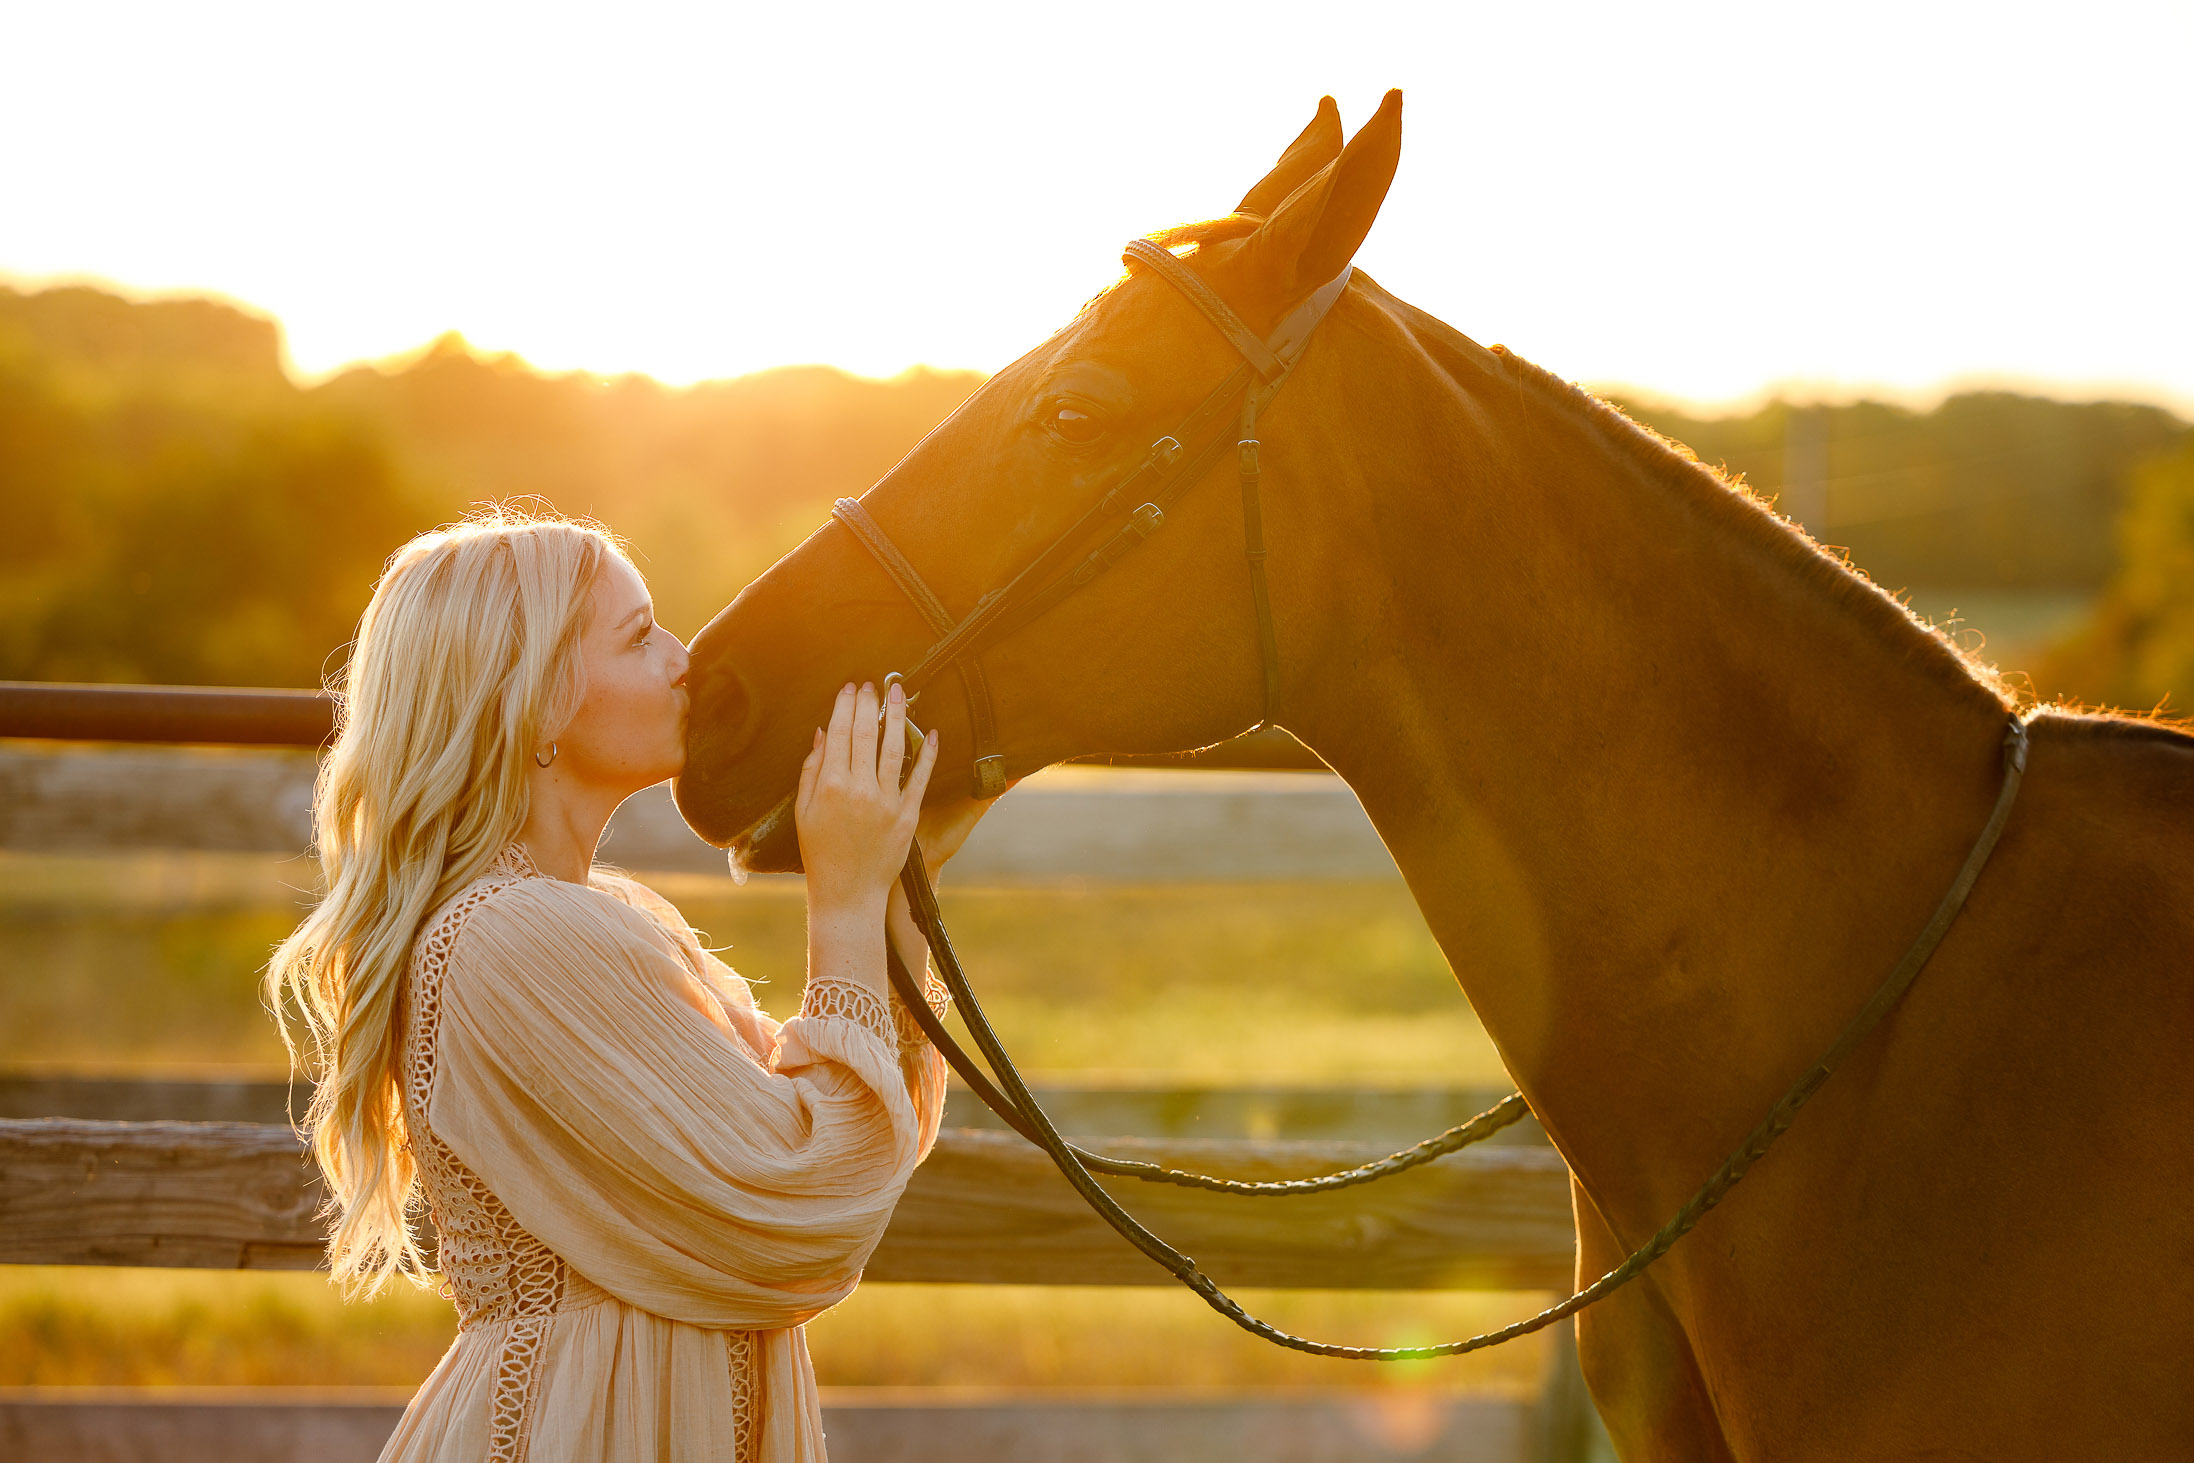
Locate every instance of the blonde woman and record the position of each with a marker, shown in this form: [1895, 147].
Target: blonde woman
[640, 1186]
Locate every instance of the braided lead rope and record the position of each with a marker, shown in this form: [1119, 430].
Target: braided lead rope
[1502, 1114]
[1508, 1111]
[923, 898]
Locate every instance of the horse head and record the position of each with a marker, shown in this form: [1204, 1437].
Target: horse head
[1159, 653]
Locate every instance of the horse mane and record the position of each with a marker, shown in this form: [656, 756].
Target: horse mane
[1206, 231]
[1849, 587]
[1725, 499]
[1731, 502]
[2124, 726]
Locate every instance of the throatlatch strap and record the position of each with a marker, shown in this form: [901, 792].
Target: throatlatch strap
[989, 770]
[1253, 543]
[1272, 360]
[1174, 464]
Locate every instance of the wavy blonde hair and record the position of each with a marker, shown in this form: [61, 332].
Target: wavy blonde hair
[466, 661]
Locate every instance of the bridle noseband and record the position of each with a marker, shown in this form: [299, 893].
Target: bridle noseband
[1174, 464]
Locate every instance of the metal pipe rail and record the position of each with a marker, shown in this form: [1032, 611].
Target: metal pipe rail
[251, 717]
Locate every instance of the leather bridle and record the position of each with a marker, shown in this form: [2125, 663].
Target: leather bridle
[1174, 464]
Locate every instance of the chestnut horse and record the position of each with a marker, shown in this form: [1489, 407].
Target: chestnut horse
[1674, 790]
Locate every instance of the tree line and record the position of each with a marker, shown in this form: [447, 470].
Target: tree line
[177, 509]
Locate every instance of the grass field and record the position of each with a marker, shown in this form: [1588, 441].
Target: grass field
[71, 1327]
[148, 962]
[152, 961]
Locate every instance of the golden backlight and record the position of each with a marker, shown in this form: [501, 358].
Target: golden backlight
[1703, 200]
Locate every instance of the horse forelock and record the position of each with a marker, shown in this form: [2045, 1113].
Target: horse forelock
[1196, 234]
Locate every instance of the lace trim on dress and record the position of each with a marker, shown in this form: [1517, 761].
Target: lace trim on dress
[746, 1432]
[492, 1270]
[935, 996]
[856, 1003]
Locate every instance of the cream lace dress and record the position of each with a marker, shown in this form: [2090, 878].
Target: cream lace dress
[641, 1185]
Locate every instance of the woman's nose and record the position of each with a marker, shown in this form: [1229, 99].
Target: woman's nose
[681, 660]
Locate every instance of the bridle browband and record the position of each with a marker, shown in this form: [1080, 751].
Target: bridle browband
[1166, 472]
[1174, 464]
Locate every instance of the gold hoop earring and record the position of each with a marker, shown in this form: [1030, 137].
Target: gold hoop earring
[541, 761]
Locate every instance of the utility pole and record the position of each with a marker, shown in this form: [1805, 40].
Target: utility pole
[1804, 495]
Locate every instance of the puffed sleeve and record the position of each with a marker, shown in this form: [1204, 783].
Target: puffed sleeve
[919, 1062]
[637, 1132]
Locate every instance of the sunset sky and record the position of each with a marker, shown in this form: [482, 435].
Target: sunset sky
[1703, 201]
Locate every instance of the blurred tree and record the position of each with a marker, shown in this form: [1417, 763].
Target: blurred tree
[2138, 650]
[174, 508]
[1989, 489]
[711, 484]
[180, 511]
[188, 515]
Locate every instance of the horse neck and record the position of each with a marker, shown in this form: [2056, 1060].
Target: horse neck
[1672, 789]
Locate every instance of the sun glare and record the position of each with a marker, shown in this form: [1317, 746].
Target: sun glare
[1703, 201]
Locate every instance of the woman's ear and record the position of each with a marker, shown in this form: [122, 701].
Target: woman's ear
[1318, 227]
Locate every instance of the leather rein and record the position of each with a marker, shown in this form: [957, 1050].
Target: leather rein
[1166, 472]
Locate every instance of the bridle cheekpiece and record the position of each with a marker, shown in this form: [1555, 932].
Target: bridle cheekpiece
[1174, 464]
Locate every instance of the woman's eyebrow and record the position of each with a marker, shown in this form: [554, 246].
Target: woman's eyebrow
[633, 615]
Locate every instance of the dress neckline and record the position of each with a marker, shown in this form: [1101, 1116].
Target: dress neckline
[516, 862]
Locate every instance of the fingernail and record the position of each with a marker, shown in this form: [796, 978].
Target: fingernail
[848, 691]
[898, 693]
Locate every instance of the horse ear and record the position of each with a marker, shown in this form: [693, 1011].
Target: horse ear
[1318, 229]
[1317, 145]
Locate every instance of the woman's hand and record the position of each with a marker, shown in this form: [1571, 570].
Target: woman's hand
[853, 818]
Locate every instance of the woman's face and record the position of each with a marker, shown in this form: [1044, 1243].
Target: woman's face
[630, 729]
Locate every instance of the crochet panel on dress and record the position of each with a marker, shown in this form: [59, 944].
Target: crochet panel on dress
[741, 1355]
[935, 996]
[493, 1271]
[855, 1003]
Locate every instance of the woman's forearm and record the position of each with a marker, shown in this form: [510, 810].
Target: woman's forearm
[847, 944]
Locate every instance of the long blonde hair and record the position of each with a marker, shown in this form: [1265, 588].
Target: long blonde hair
[467, 660]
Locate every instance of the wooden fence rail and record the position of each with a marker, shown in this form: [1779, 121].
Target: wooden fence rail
[86, 1189]
[986, 1208]
[260, 717]
[1386, 1116]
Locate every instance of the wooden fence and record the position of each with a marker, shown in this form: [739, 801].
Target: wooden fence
[179, 1174]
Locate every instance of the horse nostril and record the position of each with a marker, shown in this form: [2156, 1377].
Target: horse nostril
[724, 716]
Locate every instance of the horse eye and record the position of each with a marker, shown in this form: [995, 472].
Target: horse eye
[1071, 424]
